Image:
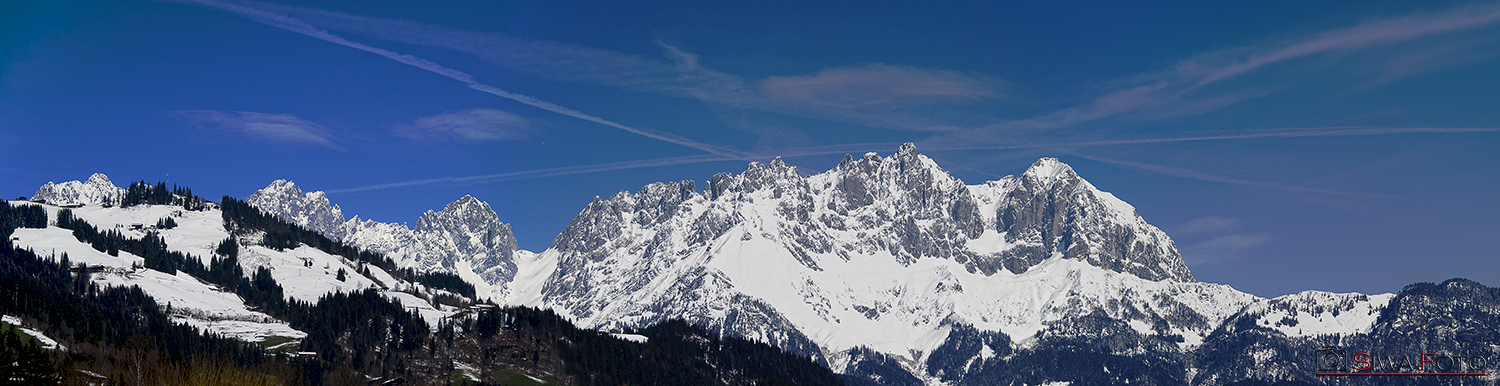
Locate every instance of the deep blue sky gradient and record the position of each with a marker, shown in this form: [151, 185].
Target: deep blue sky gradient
[1345, 146]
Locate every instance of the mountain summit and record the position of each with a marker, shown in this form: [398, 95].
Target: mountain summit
[465, 238]
[874, 261]
[98, 190]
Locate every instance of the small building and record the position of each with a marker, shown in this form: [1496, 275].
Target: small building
[88, 269]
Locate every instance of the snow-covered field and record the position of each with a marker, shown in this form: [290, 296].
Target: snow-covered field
[187, 299]
[305, 273]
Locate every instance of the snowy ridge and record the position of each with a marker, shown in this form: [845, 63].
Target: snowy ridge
[465, 238]
[1310, 313]
[311, 210]
[98, 190]
[884, 253]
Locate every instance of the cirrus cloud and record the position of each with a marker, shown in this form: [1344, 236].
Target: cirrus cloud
[876, 84]
[285, 128]
[467, 125]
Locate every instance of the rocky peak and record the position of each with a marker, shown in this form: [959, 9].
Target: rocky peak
[904, 204]
[310, 210]
[97, 190]
[1049, 169]
[470, 230]
[466, 234]
[1052, 210]
[99, 180]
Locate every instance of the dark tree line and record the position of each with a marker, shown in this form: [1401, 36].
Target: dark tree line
[675, 353]
[166, 223]
[241, 219]
[444, 281]
[74, 309]
[345, 329]
[23, 216]
[141, 193]
[151, 247]
[25, 362]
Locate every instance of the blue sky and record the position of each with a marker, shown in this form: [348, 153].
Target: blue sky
[1343, 146]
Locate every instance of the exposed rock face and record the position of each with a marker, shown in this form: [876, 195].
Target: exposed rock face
[465, 238]
[873, 262]
[311, 210]
[891, 271]
[468, 230]
[1051, 209]
[98, 190]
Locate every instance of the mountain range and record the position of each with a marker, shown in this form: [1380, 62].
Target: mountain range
[889, 270]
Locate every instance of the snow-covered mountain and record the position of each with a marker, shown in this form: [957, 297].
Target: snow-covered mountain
[886, 254]
[889, 270]
[97, 190]
[465, 238]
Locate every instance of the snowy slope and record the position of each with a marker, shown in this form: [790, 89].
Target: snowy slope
[885, 253]
[1311, 313]
[192, 301]
[305, 273]
[465, 238]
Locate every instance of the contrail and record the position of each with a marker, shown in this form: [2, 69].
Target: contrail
[856, 148]
[1294, 132]
[541, 173]
[1197, 175]
[668, 137]
[595, 168]
[1338, 131]
[295, 25]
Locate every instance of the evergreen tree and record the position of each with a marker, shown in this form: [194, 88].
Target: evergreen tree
[25, 363]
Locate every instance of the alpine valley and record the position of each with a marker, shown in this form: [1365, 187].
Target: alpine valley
[881, 271]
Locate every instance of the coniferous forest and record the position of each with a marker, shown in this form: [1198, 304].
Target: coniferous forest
[120, 335]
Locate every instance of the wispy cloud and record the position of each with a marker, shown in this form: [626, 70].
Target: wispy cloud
[259, 13]
[1207, 224]
[678, 75]
[540, 173]
[862, 95]
[1222, 248]
[467, 125]
[1221, 241]
[860, 148]
[875, 85]
[950, 143]
[1215, 67]
[1202, 83]
[269, 127]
